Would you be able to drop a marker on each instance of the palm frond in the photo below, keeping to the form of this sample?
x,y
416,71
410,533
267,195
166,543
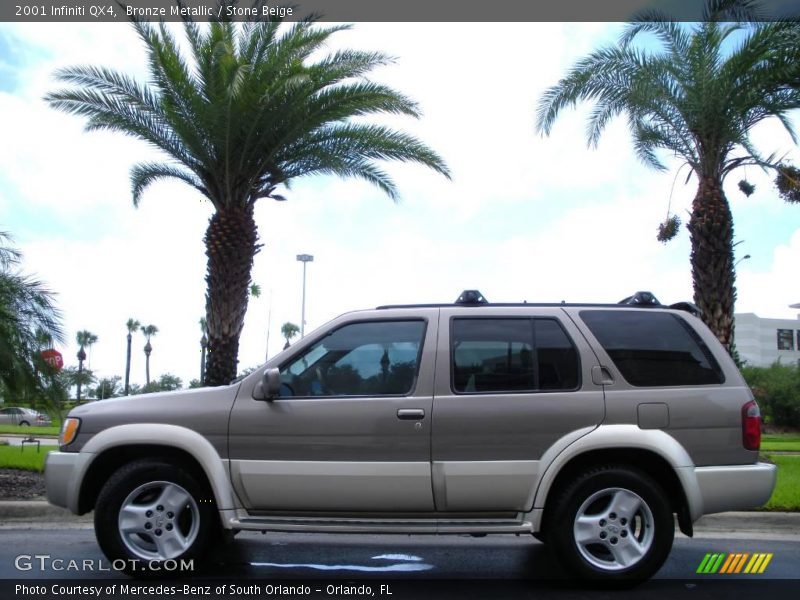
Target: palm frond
x,y
351,150
28,318
245,101
670,33
732,10
143,174
699,96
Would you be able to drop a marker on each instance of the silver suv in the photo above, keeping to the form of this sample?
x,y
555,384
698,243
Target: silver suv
x,y
588,426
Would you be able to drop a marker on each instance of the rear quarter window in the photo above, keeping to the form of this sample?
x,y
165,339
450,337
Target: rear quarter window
x,y
653,348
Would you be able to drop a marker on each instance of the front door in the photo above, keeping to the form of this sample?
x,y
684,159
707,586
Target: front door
x,y
351,428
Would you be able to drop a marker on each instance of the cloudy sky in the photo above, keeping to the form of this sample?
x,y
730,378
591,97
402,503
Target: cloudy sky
x,y
525,217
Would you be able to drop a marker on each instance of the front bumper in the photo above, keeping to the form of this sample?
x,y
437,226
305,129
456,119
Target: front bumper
x,y
736,487
63,473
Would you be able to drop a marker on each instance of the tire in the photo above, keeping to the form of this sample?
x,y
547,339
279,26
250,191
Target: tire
x,y
24,424
150,512
612,525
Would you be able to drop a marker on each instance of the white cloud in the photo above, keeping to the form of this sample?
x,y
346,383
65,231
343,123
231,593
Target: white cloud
x,y
525,218
770,292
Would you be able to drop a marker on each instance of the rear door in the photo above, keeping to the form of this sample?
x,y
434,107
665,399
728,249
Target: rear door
x,y
509,384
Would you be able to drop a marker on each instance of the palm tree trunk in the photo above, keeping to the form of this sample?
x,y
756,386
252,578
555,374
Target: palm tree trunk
x,y
230,247
80,377
128,367
147,350
81,357
711,231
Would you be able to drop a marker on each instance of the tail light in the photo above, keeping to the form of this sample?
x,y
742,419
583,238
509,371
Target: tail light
x,y
751,426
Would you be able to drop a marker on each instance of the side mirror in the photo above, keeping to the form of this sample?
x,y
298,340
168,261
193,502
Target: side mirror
x,y
270,385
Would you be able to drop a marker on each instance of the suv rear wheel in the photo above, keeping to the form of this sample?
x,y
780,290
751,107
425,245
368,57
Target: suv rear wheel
x,y
150,512
612,524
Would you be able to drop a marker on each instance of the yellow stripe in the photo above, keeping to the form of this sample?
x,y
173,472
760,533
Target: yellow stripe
x,y
765,563
752,566
731,558
755,563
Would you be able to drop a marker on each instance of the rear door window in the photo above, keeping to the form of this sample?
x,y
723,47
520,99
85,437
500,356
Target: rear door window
x,y
653,348
511,355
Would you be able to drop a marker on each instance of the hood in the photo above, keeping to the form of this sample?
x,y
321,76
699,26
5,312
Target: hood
x,y
200,409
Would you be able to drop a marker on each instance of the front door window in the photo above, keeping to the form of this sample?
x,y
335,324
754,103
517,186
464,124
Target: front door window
x,y
378,358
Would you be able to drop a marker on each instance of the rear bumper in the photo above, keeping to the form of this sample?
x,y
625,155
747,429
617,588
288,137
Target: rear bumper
x,y
63,472
735,487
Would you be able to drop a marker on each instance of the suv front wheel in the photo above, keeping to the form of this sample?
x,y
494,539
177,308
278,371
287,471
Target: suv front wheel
x,y
150,512
612,524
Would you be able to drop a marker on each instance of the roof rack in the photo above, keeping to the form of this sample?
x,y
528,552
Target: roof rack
x,y
471,298
475,298
647,299
641,299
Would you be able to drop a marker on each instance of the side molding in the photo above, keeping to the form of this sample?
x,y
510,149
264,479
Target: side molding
x,y
624,436
168,435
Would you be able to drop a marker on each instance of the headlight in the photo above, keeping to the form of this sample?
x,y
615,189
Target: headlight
x,y
69,429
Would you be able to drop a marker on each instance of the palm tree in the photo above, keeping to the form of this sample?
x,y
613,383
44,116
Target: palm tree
x,y
247,109
148,331
44,339
289,330
83,338
133,326
76,377
28,320
697,98
107,387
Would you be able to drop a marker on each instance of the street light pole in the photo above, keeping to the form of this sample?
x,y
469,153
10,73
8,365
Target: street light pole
x,y
305,259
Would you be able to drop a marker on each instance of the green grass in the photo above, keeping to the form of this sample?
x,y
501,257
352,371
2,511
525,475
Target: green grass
x,y
780,442
787,492
12,457
31,430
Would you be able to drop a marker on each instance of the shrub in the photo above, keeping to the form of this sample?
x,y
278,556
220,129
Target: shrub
x,y
777,390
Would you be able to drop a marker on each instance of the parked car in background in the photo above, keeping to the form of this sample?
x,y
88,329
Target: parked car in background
x,y
17,415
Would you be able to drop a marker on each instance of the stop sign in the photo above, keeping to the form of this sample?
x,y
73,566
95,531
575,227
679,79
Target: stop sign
x,y
53,358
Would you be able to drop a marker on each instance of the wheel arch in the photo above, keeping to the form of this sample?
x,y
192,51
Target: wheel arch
x,y
117,446
652,451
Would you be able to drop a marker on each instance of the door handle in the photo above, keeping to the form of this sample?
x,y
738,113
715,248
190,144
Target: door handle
x,y
601,375
410,414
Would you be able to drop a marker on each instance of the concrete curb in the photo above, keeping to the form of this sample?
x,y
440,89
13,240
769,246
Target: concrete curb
x,y
21,511
783,523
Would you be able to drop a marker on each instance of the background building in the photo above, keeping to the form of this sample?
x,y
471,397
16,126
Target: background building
x,y
761,342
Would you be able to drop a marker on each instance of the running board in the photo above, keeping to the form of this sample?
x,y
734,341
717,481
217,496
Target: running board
x,y
430,526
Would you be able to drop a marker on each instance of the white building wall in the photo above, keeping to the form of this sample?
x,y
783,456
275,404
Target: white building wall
x,y
756,340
